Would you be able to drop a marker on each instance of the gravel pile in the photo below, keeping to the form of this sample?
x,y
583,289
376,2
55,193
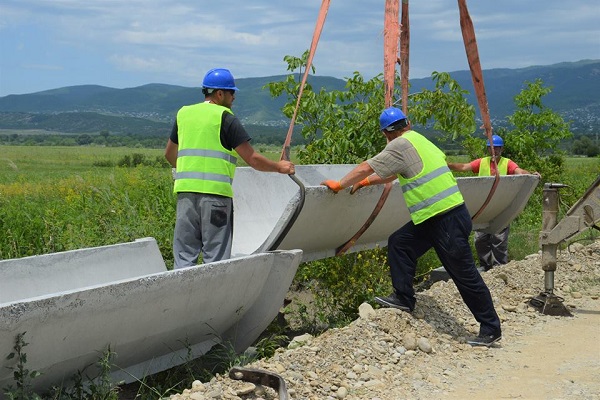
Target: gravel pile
x,y
387,354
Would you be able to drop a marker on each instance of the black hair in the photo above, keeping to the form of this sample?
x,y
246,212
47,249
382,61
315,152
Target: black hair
x,y
396,126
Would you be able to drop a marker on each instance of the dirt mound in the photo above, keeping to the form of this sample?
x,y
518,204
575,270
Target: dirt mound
x,y
387,354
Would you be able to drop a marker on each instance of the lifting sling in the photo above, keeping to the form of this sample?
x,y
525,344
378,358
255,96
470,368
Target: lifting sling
x,y
396,39
285,153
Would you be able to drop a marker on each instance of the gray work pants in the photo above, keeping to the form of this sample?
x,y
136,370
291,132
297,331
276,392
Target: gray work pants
x,y
204,225
492,249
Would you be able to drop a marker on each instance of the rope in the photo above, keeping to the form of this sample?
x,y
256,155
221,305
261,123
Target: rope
x,y
313,49
285,152
468,33
404,55
391,37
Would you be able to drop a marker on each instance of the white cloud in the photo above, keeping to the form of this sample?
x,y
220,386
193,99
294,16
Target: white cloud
x,y
176,41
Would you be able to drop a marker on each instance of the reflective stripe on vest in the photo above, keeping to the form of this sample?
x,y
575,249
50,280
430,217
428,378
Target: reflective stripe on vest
x,y
485,168
203,164
434,190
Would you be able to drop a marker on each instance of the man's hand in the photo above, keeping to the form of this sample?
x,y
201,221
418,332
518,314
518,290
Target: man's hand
x,y
285,167
336,186
358,185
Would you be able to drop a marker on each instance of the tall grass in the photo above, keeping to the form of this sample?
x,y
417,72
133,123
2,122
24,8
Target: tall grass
x,y
54,199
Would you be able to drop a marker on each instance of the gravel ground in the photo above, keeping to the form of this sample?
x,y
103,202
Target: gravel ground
x,y
387,354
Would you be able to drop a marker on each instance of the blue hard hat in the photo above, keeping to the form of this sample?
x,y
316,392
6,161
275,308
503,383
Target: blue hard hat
x,y
496,141
219,78
390,116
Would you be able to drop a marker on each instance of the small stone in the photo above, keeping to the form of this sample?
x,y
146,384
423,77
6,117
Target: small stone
x,y
247,389
300,341
366,311
341,393
410,341
424,345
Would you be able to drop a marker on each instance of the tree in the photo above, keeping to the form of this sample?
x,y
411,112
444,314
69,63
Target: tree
x,y
534,141
84,139
343,126
586,147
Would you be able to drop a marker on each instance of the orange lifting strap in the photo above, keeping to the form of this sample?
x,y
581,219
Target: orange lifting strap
x,y
313,48
394,37
285,152
391,39
468,33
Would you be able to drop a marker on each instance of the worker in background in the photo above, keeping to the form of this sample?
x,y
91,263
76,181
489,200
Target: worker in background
x,y
203,148
492,249
439,219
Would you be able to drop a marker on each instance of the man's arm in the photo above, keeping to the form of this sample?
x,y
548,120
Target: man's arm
x,y
260,162
171,153
460,167
521,171
359,173
375,179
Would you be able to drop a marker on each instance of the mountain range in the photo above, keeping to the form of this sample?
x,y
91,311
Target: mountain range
x,y
150,109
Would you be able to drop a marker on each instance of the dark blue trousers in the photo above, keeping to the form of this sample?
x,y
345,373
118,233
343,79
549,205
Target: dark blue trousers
x,y
448,234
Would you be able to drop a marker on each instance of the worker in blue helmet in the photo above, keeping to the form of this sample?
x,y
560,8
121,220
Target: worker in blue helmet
x,y
491,248
203,148
439,220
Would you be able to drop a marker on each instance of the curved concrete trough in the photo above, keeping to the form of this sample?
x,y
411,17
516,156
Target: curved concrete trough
x,y
73,305
264,203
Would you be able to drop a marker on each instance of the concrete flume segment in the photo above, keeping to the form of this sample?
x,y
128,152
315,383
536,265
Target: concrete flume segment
x,y
150,320
74,304
265,202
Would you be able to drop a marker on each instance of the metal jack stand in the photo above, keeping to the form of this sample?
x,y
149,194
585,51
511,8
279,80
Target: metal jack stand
x,y
583,215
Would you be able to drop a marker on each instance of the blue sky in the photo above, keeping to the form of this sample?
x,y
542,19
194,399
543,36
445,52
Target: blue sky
x,y
47,44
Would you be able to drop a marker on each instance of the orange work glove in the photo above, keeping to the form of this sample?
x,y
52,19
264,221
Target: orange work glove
x,y
336,186
358,185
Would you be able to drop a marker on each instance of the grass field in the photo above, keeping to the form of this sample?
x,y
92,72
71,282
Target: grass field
x,y
61,198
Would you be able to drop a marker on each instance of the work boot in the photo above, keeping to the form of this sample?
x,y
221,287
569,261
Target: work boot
x,y
392,301
484,340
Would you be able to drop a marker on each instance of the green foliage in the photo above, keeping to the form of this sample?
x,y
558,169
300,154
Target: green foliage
x,y
139,159
98,387
535,138
341,284
585,146
342,126
45,138
21,375
446,106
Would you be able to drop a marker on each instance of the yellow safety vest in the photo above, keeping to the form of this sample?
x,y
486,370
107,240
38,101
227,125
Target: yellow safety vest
x,y
434,190
485,169
203,164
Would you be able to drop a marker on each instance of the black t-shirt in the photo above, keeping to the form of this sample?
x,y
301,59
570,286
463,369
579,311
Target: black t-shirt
x,y
232,132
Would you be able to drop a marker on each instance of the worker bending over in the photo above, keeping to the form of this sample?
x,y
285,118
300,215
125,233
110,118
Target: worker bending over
x,y
439,219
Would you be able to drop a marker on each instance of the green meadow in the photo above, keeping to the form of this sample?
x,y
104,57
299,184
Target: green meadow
x,y
63,198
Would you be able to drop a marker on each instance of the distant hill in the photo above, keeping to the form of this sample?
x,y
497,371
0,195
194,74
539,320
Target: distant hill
x,y
150,109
